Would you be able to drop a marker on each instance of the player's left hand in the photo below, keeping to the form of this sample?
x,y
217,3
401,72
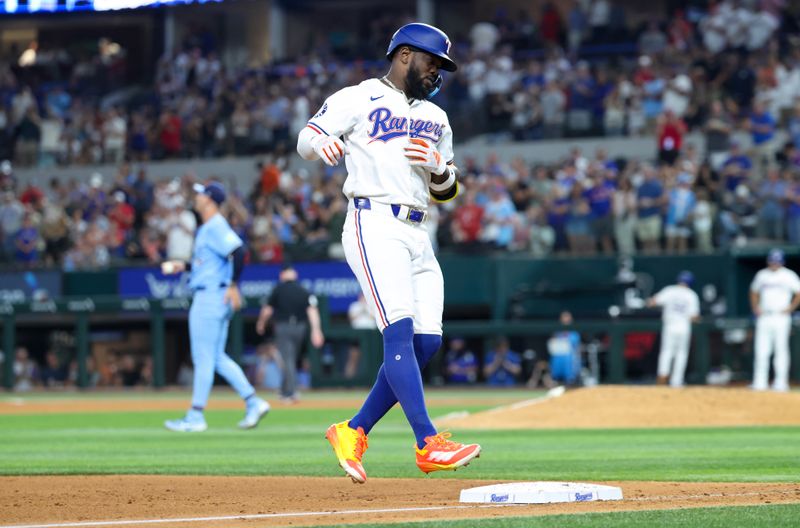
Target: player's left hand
x,y
317,339
233,297
420,153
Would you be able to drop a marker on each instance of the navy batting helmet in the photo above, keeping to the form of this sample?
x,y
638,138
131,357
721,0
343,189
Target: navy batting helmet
x,y
686,277
775,256
425,37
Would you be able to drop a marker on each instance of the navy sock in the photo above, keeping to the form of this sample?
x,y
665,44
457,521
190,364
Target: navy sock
x,y
382,397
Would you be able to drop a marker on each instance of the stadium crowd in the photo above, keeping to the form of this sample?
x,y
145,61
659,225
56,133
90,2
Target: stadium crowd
x,y
731,69
586,72
585,204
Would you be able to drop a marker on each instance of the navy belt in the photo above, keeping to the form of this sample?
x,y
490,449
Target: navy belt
x,y
402,212
201,288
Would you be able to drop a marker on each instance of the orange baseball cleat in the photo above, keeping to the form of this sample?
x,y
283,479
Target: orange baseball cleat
x,y
349,446
441,453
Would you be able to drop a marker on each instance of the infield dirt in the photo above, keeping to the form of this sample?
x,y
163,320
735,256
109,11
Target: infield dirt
x,y
29,500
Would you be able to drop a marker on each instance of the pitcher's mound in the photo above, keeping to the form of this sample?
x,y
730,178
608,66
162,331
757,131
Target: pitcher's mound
x,y
625,407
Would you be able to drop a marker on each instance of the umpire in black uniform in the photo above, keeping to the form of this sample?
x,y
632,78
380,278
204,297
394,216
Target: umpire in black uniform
x,y
293,309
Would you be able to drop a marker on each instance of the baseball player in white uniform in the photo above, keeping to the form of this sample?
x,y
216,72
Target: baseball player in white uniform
x,y
681,306
397,147
774,295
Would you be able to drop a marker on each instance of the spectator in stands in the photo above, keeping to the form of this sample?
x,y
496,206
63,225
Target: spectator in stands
x,y
498,216
625,210
467,221
542,237
577,27
25,371
762,127
613,114
92,374
677,94
772,194
55,231
240,130
554,104
484,36
564,350
793,127
600,197
502,366
718,128
736,168
460,363
121,217
53,374
115,131
738,219
599,19
680,208
649,200
28,134
670,131
652,41
703,222
27,241
793,209
578,226
170,127
180,228
11,214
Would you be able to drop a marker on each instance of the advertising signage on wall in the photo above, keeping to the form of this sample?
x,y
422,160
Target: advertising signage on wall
x,y
333,280
21,286
28,7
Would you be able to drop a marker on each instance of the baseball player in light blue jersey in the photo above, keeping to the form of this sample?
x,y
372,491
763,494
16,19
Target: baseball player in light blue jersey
x,y
216,267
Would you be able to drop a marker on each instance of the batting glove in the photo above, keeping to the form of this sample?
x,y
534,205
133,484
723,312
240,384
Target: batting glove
x,y
420,153
329,149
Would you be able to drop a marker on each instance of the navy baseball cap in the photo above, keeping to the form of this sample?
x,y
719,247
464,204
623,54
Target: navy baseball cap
x,y
775,256
213,190
686,277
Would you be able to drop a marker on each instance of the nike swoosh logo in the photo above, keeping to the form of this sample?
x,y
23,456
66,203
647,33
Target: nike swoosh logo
x,y
375,98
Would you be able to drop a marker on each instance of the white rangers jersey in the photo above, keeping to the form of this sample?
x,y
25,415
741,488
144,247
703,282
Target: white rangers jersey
x,y
775,289
376,121
681,305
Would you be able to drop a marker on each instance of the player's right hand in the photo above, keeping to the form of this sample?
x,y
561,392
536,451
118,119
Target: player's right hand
x,y
330,149
170,267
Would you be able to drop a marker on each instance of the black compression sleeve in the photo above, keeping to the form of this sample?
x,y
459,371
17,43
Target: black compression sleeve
x,y
238,263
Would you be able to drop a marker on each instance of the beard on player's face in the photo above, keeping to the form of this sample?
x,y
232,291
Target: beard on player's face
x,y
415,82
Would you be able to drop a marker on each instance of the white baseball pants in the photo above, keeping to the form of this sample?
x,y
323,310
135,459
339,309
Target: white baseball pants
x,y
674,354
395,265
772,335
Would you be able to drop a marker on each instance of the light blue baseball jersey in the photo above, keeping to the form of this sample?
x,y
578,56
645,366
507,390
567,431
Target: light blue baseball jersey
x,y
213,243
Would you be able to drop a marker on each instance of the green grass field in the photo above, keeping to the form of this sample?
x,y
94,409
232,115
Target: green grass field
x,y
290,442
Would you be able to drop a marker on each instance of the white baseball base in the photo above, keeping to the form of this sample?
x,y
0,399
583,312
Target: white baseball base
x,y
541,493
